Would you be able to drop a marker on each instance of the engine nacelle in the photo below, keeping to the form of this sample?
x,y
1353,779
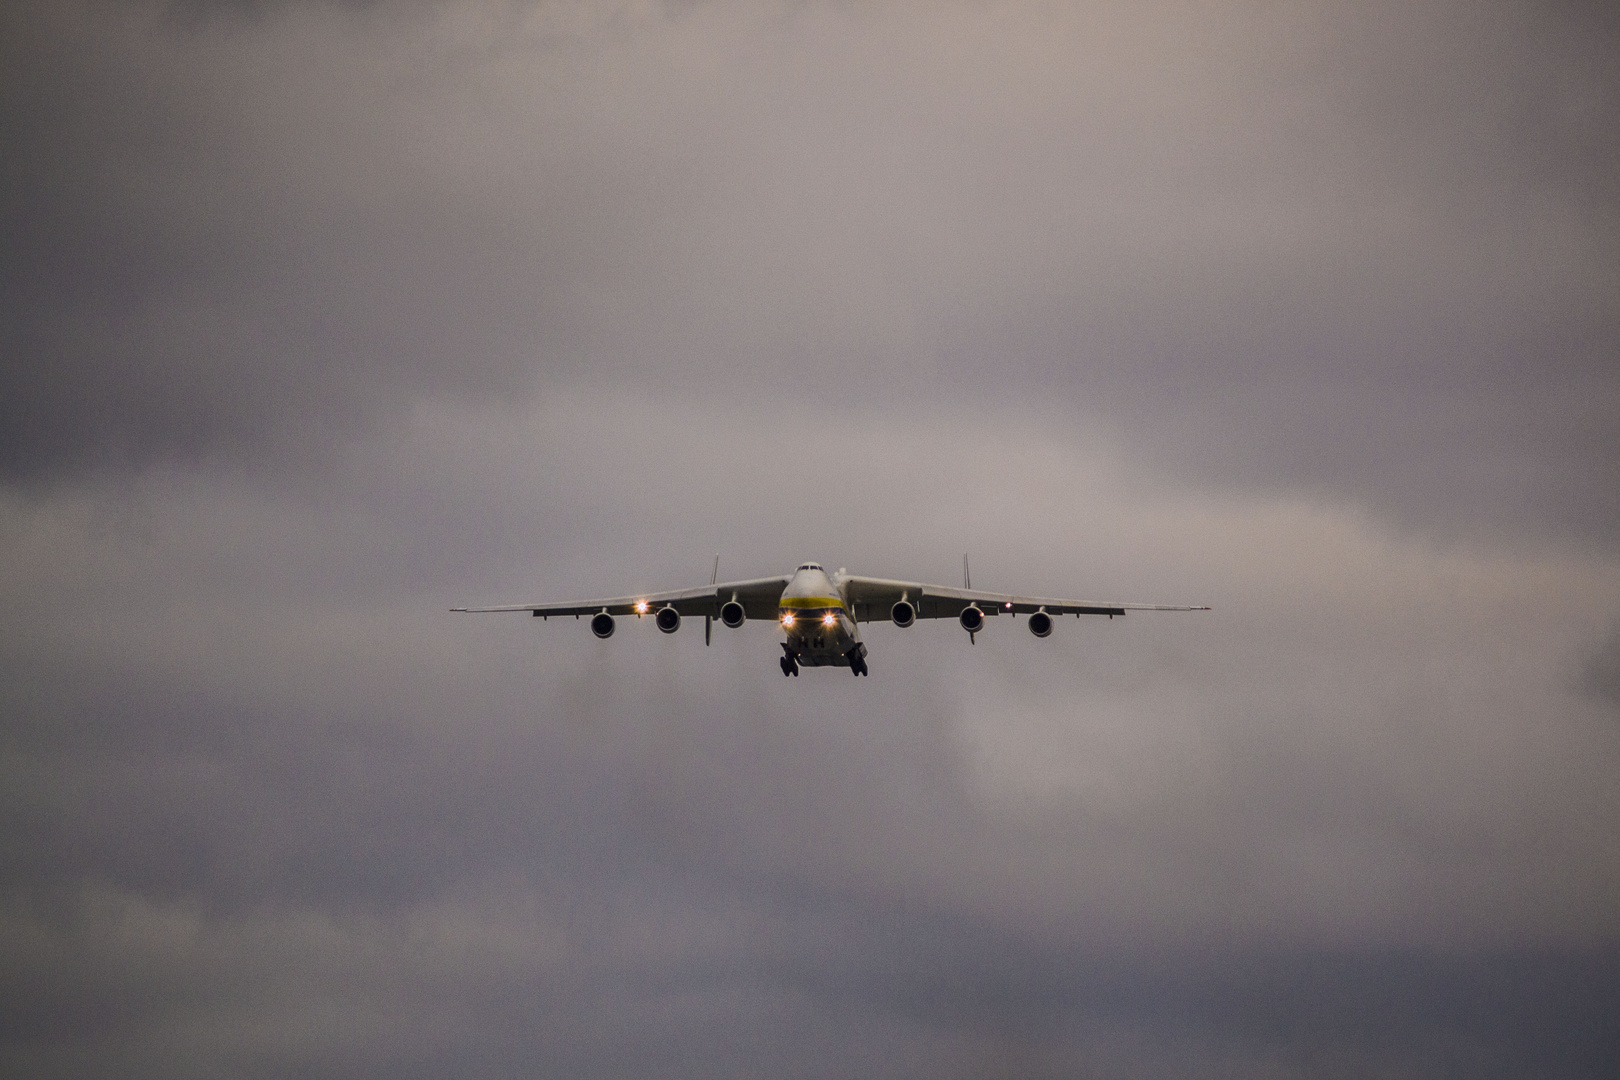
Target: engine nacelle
x,y
668,619
972,619
732,614
904,613
602,624
1040,624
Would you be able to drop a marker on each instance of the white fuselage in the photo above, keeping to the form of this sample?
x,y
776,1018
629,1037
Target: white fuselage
x,y
820,632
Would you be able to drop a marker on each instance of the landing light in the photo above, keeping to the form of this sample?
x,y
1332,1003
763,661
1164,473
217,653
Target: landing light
x,y
641,607
787,620
828,619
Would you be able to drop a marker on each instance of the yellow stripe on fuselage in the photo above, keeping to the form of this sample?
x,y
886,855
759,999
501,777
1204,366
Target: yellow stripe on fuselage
x,y
810,603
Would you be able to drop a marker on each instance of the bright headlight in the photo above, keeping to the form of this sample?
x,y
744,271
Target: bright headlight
x,y
787,619
828,619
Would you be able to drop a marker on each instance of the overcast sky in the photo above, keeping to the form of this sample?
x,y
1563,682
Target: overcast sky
x,y
317,319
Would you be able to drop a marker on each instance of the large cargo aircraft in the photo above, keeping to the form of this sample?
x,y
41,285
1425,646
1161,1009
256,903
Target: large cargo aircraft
x,y
820,613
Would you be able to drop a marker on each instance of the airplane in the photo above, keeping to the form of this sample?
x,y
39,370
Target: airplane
x,y
820,613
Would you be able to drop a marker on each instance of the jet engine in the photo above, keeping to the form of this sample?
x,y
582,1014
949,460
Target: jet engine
x,y
732,614
972,619
904,613
602,624
668,619
1040,624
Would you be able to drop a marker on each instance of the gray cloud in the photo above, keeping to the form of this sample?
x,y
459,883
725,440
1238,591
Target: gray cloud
x,y
1369,252
1601,674
319,319
271,778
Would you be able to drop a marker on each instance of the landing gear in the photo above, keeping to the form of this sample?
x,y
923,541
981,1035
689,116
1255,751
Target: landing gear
x,y
790,663
857,660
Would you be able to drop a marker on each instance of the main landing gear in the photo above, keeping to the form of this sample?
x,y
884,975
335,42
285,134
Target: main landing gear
x,y
857,660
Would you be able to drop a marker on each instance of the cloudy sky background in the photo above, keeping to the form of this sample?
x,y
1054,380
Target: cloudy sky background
x,y
319,318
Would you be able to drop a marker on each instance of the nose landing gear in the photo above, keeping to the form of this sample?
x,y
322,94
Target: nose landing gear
x,y
857,660
790,662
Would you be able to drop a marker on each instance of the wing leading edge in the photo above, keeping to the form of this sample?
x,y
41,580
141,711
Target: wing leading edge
x,y
758,597
870,600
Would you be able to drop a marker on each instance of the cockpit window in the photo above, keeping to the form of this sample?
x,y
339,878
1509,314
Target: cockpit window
x,y
809,566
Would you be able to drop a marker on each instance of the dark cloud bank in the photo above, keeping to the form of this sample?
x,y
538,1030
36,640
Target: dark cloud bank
x,y
316,319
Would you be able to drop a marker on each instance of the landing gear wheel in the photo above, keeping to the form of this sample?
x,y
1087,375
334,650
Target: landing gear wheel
x,y
787,666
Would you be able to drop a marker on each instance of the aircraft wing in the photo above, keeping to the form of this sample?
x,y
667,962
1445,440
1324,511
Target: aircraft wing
x,y
758,597
871,598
